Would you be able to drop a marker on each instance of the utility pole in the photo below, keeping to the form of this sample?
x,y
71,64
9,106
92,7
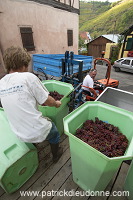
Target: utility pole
x,y
114,30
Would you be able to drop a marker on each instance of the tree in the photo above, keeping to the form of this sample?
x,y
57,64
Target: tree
x,y
81,43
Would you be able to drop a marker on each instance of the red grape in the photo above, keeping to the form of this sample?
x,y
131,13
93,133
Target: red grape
x,y
104,137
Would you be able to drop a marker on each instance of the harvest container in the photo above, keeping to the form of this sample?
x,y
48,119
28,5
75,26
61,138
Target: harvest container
x,y
124,100
128,185
18,160
117,97
91,169
57,114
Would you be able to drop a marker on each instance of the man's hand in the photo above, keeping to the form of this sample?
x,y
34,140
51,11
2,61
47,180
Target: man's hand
x,y
97,85
52,103
58,104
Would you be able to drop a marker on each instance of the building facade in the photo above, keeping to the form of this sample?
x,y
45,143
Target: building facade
x,y
41,26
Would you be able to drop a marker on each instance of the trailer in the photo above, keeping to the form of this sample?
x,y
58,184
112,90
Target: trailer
x,y
66,67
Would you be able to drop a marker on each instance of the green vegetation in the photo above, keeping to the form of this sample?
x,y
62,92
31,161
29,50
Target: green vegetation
x,y
116,49
81,42
100,18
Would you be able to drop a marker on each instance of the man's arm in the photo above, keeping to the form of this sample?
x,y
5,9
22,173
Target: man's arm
x,y
93,92
52,103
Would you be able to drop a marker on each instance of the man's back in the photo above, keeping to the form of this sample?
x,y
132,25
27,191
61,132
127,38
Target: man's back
x,y
20,95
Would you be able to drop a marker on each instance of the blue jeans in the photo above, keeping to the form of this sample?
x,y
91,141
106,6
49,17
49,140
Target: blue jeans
x,y
53,136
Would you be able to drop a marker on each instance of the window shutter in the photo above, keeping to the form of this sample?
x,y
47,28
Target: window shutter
x,y
27,38
70,37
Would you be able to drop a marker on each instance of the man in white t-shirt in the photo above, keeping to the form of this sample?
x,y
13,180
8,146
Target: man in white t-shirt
x,y
20,94
89,82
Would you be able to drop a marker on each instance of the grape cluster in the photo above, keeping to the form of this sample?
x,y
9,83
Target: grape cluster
x,y
56,95
104,137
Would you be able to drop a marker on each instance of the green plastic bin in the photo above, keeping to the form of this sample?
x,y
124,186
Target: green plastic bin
x,y
128,185
57,114
91,169
18,160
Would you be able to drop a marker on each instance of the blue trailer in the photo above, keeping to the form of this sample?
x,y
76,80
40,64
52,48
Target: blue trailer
x,y
63,66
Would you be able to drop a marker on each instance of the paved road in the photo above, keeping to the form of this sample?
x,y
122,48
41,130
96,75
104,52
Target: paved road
x,y
125,78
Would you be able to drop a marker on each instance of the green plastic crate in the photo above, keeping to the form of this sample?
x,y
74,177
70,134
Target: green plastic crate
x,y
57,114
128,185
91,169
18,160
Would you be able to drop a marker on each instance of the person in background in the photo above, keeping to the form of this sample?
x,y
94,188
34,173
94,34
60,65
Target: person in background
x,y
102,54
20,93
89,82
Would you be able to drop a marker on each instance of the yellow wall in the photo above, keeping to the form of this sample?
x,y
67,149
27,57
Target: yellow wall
x,y
108,48
125,52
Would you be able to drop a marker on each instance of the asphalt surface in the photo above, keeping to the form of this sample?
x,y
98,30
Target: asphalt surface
x,y
125,78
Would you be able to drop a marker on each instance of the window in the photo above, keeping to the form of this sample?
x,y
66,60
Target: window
x,y
126,62
27,38
70,37
129,46
120,60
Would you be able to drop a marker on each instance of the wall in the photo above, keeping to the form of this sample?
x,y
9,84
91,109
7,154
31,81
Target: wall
x,y
108,49
49,26
125,52
75,3
2,70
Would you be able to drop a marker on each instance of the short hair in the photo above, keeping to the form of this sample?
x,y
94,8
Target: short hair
x,y
92,70
15,58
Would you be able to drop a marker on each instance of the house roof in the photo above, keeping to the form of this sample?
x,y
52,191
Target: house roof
x,y
85,35
111,37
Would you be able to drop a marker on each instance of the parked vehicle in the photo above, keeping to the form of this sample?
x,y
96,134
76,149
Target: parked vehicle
x,y
130,54
124,64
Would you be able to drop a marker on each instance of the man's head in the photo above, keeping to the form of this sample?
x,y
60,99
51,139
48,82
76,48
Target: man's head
x,y
16,58
93,73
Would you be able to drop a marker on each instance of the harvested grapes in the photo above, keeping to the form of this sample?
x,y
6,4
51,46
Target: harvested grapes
x,y
56,95
104,137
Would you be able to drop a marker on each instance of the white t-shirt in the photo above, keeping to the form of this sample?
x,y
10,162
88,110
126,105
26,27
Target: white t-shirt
x,y
88,81
20,94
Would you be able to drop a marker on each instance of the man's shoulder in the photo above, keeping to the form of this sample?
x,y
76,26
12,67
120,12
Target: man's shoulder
x,y
29,75
87,76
